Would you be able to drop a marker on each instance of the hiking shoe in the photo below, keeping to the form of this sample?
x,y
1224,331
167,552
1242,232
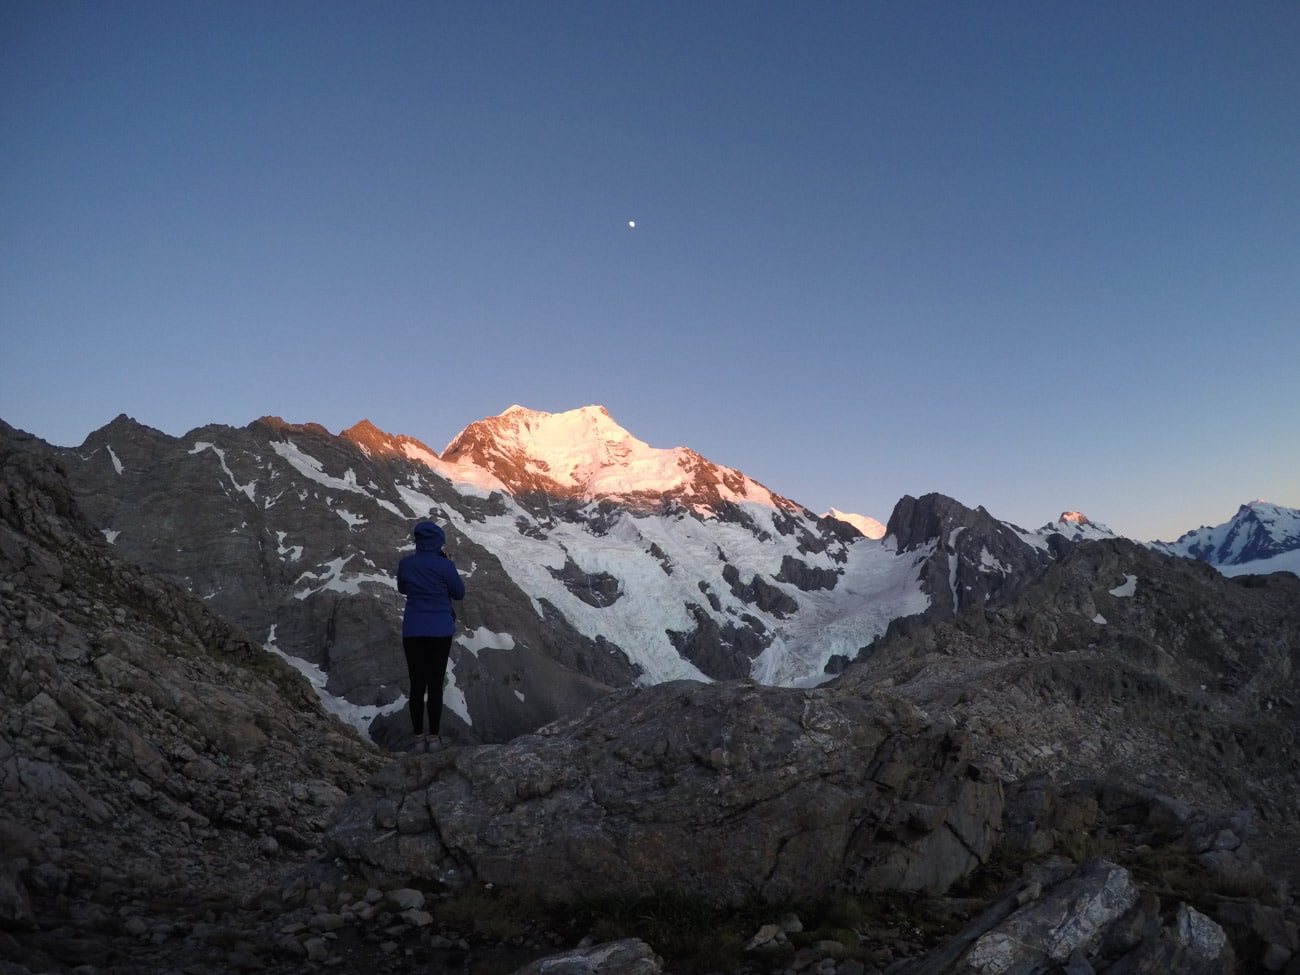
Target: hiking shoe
x,y
421,744
432,743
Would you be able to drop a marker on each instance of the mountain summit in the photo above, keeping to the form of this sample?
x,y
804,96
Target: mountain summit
x,y
585,455
1077,527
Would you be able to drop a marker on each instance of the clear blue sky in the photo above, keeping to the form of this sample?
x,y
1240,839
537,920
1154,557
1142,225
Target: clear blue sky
x,y
1034,255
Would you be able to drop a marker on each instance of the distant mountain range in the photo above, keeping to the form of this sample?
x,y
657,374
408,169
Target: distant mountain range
x,y
593,560
1260,538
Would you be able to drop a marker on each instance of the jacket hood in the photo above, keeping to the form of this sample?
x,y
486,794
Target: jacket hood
x,y
429,537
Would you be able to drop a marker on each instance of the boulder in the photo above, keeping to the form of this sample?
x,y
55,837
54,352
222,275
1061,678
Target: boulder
x,y
629,956
1079,920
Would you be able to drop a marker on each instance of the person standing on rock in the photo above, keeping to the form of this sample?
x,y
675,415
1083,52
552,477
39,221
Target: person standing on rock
x,y
429,581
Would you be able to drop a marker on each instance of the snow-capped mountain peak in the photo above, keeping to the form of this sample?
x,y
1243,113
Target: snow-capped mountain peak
x,y
1077,527
584,454
1267,536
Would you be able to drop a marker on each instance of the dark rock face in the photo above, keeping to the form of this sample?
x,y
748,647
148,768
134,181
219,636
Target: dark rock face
x,y
976,560
806,577
598,589
720,652
759,592
724,792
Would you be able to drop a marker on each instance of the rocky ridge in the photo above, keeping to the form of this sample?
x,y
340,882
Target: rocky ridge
x,y
976,558
1124,663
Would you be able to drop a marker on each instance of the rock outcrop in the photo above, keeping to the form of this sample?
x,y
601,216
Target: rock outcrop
x,y
725,793
1090,918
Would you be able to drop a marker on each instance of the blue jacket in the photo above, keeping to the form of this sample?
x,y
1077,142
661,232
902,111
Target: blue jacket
x,y
429,581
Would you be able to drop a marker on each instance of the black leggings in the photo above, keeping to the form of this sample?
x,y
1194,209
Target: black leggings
x,y
426,663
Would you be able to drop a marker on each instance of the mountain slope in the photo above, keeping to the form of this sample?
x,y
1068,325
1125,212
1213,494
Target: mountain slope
x,y
693,571
156,764
1260,537
593,560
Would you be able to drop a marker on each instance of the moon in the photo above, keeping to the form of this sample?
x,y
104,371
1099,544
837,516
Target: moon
x,y
632,224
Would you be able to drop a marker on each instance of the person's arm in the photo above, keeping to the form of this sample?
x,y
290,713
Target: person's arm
x,y
455,584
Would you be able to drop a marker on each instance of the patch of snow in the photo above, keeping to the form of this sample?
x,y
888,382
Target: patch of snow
x,y
484,639
354,521
110,535
953,564
310,467
1282,562
356,715
989,563
332,579
117,464
290,553
417,502
1033,539
248,490
868,526
453,699
415,451
1128,588
1099,619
